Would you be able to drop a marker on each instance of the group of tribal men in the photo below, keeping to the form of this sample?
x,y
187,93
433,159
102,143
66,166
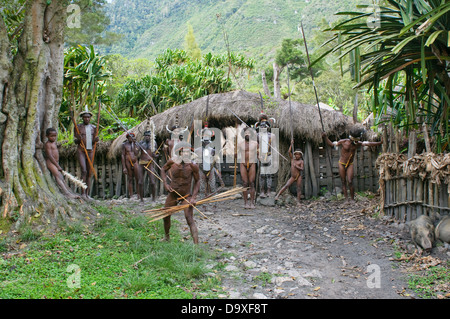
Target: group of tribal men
x,y
183,177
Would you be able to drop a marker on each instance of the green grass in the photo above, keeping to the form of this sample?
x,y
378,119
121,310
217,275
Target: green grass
x,y
434,283
115,258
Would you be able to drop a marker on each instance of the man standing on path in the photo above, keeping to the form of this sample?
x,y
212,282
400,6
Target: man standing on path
x,y
348,151
131,167
183,171
85,141
247,157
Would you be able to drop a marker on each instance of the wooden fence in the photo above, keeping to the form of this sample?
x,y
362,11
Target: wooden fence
x,y
317,175
408,198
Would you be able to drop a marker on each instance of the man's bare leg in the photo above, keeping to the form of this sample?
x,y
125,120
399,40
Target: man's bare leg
x,y
350,174
189,215
171,200
139,182
245,184
252,179
342,174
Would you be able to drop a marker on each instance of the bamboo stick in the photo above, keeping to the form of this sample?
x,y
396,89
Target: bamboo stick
x,y
159,213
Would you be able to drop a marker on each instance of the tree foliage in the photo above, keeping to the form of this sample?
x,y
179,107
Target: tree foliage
x,y
85,77
176,79
404,59
92,24
191,45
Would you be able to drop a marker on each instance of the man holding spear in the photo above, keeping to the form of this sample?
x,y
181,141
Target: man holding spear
x,y
85,137
131,167
183,171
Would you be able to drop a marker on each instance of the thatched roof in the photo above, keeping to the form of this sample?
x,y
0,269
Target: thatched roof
x,y
305,119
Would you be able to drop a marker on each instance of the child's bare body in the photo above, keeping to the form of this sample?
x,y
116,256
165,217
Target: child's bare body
x,y
52,161
297,167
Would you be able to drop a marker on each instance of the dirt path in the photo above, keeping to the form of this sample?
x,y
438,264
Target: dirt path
x,y
323,249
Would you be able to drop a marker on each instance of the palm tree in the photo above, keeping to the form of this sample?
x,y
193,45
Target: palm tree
x,y
403,58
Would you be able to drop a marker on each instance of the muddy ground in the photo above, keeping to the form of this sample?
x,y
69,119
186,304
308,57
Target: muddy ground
x,y
324,249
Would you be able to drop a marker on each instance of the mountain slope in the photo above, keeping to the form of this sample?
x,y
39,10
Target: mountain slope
x,y
254,27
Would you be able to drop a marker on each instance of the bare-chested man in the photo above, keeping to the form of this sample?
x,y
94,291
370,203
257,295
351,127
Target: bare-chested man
x,y
248,152
131,167
183,172
349,146
52,160
85,140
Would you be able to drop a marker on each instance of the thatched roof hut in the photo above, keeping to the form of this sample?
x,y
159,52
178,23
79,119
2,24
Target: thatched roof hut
x,y
305,120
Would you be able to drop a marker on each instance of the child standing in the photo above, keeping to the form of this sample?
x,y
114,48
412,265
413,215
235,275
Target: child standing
x,y
297,167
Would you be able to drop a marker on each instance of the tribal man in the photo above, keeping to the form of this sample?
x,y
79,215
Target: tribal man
x,y
183,172
349,146
248,153
85,141
131,167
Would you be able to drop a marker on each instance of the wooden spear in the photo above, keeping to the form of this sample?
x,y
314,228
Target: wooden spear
x,y
318,106
84,147
98,125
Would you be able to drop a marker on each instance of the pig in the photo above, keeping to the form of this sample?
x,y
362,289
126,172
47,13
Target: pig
x,y
422,232
442,231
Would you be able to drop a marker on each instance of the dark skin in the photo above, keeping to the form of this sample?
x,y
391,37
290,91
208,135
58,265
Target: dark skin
x,y
182,174
297,167
81,154
249,149
52,161
346,161
131,167
149,157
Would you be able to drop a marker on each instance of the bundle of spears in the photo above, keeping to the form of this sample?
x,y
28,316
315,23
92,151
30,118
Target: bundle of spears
x,y
159,213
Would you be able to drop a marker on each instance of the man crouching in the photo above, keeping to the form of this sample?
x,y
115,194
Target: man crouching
x,y
182,171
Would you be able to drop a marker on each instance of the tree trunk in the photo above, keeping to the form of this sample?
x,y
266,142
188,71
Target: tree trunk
x,y
355,109
265,86
276,81
412,143
31,98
